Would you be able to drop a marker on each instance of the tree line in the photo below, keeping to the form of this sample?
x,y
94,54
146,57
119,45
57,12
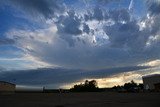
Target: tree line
x,y
129,87
92,86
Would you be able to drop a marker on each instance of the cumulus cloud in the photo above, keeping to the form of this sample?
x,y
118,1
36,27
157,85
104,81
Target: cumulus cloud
x,y
68,26
94,39
98,14
98,32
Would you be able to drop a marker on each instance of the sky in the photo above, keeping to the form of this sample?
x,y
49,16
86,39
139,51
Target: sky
x,y
58,43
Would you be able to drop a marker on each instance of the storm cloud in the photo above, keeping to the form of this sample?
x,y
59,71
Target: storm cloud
x,y
106,39
60,76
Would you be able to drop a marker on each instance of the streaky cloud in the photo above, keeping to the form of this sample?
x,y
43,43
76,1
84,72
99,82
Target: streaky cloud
x,y
60,76
6,41
153,7
37,8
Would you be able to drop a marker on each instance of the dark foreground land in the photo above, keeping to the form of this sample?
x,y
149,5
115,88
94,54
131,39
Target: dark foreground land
x,y
94,99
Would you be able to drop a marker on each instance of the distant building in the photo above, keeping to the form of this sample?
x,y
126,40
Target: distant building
x,y
151,82
7,87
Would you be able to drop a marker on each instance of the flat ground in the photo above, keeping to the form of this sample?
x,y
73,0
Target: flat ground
x,y
95,99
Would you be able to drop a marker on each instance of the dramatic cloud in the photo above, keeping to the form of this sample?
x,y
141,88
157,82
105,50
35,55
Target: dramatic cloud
x,y
94,39
59,77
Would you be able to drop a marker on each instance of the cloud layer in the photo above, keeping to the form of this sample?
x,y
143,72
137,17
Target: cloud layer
x,y
60,77
93,39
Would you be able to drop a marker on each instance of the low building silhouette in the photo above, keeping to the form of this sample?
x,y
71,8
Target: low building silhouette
x,y
151,82
7,87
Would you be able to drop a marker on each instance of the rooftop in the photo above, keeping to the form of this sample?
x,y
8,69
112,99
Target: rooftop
x,y
154,75
6,82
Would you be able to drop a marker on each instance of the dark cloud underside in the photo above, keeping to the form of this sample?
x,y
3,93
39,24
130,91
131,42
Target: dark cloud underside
x,y
60,76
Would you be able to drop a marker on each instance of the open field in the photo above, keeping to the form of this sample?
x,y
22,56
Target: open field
x,y
94,99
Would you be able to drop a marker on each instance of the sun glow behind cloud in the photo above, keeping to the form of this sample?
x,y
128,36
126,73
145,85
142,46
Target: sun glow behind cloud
x,y
118,79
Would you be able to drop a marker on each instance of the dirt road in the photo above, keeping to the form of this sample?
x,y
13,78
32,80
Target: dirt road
x,y
101,99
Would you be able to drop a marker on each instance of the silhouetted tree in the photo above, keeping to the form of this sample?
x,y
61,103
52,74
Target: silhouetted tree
x,y
130,86
88,86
